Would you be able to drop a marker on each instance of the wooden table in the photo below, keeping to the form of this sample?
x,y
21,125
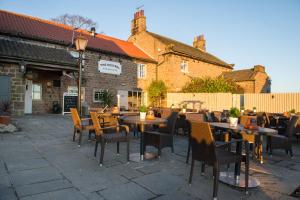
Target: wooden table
x,y
137,121
236,179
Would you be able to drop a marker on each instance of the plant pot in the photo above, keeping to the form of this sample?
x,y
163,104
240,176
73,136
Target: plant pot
x,y
5,120
233,121
254,110
184,110
143,115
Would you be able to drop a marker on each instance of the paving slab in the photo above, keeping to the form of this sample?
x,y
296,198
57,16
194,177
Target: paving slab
x,y
66,194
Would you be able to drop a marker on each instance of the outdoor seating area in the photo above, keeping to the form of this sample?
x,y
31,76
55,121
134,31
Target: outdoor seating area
x,y
42,161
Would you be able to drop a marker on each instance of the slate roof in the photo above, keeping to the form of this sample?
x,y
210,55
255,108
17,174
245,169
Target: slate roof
x,y
38,29
29,52
190,51
240,75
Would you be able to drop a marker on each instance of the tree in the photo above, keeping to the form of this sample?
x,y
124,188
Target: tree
x,y
75,21
157,91
211,85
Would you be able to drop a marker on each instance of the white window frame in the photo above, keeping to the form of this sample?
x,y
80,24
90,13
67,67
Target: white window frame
x,y
33,91
141,71
184,66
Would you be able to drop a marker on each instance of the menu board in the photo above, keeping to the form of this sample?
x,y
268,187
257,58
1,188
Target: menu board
x,y
69,101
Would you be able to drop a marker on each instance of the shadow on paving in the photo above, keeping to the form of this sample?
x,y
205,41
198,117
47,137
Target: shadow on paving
x,y
41,162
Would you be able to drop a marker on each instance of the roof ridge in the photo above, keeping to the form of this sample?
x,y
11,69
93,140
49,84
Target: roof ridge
x,y
68,27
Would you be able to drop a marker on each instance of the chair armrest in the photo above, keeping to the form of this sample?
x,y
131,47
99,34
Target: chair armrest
x,y
124,127
229,142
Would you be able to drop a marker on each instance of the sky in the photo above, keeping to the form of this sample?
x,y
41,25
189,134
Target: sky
x,y
245,33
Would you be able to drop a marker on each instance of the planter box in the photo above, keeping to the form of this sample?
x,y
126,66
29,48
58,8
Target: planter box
x,y
5,120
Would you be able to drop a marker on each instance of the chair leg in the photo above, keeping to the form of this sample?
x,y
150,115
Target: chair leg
x,y
291,152
188,152
246,174
118,148
202,168
74,134
216,173
128,150
96,147
102,152
80,137
90,132
191,172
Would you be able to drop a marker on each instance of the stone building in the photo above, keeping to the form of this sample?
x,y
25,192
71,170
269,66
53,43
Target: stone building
x,y
254,80
178,62
38,65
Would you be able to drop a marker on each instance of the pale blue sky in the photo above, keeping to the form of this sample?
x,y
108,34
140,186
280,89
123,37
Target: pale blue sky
x,y
245,33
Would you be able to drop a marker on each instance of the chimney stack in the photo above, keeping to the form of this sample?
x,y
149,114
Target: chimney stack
x,y
200,43
138,24
259,68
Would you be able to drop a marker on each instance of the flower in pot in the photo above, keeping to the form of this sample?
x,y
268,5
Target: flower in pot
x,y
234,115
292,112
184,106
143,112
254,109
5,112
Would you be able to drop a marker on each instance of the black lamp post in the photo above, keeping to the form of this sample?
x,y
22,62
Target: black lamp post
x,y
80,43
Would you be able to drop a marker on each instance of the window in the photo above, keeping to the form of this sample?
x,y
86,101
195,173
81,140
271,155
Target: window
x,y
36,91
97,95
141,71
184,66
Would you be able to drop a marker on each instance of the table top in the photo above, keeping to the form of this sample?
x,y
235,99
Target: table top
x,y
138,120
239,127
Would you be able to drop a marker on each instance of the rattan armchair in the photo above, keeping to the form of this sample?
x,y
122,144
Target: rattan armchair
x,y
120,134
283,141
79,127
205,150
162,137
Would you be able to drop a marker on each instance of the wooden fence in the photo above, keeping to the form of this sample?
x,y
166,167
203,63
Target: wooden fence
x,y
273,102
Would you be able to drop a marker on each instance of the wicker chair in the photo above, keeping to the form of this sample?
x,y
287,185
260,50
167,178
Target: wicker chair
x,y
283,141
116,137
205,150
216,116
79,127
163,137
195,117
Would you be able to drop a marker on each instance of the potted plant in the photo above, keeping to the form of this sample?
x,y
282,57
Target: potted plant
x,y
143,112
292,112
234,115
184,108
254,109
5,112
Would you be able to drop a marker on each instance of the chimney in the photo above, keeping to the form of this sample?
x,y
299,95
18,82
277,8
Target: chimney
x,y
259,68
138,24
199,43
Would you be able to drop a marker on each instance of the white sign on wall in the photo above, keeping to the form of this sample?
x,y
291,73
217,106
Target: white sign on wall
x,y
109,67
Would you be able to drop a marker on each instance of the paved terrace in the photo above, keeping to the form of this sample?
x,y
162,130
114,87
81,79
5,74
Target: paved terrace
x,y
41,162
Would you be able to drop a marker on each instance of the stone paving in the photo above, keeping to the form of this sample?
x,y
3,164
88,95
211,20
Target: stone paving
x,y
41,162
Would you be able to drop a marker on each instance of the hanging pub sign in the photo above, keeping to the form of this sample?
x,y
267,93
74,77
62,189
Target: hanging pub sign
x,y
109,67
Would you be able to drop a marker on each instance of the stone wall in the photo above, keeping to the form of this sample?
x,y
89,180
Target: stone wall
x,y
17,87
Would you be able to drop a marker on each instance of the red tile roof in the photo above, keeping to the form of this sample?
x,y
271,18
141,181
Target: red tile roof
x,y
39,29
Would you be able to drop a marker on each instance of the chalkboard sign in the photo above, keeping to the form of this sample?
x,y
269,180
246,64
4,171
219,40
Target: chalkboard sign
x,y
69,101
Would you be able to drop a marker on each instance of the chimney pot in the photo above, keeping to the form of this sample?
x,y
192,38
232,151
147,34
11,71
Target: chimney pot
x,y
200,42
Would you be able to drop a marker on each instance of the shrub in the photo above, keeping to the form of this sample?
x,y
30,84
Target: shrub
x,y
143,109
211,85
157,91
106,98
5,108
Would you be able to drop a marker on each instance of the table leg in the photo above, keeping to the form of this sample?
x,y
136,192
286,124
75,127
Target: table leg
x,y
260,149
142,141
237,167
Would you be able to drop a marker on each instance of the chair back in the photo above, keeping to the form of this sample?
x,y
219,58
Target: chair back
x,y
108,119
247,120
165,112
75,118
96,123
216,116
203,143
197,117
291,126
171,122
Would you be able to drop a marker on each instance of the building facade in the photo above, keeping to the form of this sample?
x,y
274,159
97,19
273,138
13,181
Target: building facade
x,y
178,62
39,66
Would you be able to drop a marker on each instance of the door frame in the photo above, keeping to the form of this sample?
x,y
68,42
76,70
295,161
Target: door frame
x,y
28,97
